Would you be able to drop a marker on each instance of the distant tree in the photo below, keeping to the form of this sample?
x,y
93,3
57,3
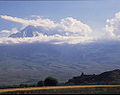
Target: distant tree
x,y
50,81
40,83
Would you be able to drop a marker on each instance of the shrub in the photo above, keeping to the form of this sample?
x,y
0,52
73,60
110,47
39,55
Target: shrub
x,y
40,83
50,81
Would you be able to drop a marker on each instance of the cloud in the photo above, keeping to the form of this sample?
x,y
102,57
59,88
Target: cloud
x,y
5,31
13,30
73,27
55,39
47,23
68,30
68,25
113,27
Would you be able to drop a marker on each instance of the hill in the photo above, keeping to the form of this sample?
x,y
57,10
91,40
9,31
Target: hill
x,y
109,77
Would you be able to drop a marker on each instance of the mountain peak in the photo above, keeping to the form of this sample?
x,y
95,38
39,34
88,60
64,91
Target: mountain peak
x,y
29,31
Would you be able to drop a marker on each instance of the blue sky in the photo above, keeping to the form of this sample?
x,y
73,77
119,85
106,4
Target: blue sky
x,y
92,12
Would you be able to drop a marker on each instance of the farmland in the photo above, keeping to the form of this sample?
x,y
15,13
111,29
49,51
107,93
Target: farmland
x,y
81,89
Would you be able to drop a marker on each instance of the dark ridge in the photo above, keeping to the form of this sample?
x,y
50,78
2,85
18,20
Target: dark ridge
x,y
109,77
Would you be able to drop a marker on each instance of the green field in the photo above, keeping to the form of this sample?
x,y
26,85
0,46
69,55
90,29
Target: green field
x,y
81,89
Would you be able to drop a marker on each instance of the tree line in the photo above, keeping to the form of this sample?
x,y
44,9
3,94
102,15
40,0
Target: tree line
x,y
49,81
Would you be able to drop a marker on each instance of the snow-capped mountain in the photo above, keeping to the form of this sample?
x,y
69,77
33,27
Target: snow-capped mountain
x,y
33,31
29,31
31,62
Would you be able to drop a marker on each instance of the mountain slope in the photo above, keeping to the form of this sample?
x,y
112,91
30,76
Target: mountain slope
x,y
109,77
28,63
29,31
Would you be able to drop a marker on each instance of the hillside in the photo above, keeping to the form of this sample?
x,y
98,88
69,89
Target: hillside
x,y
109,77
29,63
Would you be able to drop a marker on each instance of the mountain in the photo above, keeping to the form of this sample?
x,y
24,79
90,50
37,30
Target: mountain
x,y
31,62
29,31
109,77
32,31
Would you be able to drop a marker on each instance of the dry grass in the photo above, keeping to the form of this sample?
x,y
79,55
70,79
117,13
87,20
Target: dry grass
x,y
57,88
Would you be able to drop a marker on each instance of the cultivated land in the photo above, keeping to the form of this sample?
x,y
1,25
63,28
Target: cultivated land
x,y
81,89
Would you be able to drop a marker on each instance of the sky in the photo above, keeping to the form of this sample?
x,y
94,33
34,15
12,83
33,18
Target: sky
x,y
93,13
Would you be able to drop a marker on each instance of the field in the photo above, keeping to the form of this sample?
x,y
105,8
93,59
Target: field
x,y
81,89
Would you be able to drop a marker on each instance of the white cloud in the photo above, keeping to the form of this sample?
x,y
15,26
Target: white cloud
x,y
113,26
68,30
5,31
56,39
13,30
73,27
36,16
47,23
69,25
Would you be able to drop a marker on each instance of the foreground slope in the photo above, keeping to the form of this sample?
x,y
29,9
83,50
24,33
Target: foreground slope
x,y
109,77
